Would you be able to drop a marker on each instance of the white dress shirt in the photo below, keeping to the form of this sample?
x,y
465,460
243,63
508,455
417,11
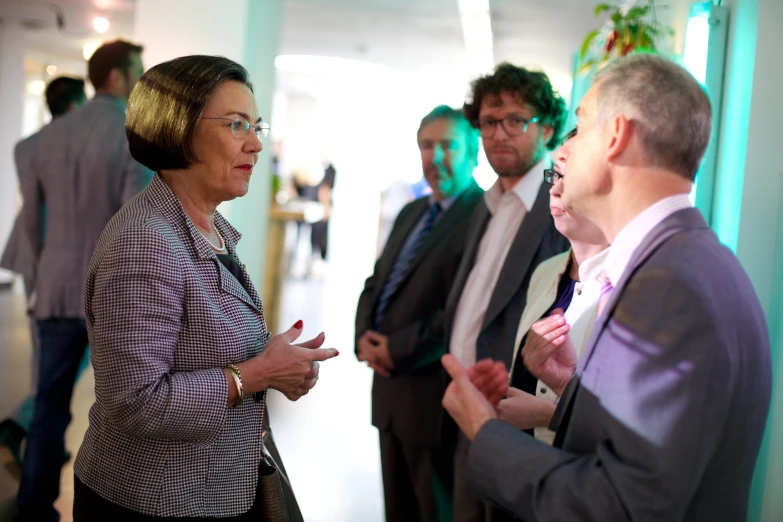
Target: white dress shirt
x,y
632,234
508,211
580,315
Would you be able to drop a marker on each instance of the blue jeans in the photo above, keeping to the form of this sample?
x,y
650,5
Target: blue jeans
x,y
63,342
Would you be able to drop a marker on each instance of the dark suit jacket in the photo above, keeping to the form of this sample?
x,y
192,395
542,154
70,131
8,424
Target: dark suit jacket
x,y
537,240
670,403
409,403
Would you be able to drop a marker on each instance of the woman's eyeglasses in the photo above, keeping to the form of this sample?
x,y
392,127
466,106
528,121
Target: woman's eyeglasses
x,y
240,127
552,176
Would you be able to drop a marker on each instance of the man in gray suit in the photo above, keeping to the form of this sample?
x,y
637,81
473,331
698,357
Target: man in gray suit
x,y
399,322
83,173
519,116
663,417
63,95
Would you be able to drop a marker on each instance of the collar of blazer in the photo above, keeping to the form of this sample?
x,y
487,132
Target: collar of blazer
x,y
688,219
520,255
164,200
680,221
541,295
461,209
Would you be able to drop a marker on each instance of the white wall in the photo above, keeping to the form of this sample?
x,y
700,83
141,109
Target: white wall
x,y
12,48
246,31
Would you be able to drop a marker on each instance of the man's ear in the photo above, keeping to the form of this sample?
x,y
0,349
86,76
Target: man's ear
x,y
620,132
116,77
547,132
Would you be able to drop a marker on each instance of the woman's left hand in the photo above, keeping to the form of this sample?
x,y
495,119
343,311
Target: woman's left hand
x,y
289,368
525,411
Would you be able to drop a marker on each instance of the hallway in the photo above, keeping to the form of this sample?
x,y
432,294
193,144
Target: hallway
x,y
329,447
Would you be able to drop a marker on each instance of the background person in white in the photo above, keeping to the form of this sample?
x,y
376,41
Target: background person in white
x,y
566,286
519,116
665,417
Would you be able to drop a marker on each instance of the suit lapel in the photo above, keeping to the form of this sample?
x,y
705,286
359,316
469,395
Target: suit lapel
x,y
230,285
397,239
663,231
520,255
479,220
539,306
677,222
453,215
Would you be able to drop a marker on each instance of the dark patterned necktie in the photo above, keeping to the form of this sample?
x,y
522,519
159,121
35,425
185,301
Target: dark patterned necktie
x,y
404,259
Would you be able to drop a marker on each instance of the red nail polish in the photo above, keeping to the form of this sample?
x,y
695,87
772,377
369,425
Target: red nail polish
x,y
298,324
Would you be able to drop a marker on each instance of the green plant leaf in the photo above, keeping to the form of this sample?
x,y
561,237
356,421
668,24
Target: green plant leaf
x,y
601,8
646,41
636,13
585,68
617,18
586,44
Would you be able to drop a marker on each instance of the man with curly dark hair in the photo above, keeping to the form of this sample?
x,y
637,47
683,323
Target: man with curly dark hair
x,y
519,116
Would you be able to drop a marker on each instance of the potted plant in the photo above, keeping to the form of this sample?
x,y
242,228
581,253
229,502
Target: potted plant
x,y
628,28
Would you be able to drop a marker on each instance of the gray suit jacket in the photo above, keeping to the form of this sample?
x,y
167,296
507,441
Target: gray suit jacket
x,y
665,420
408,404
83,172
537,240
164,317
18,253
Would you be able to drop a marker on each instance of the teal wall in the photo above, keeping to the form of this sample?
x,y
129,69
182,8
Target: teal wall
x,y
748,202
749,195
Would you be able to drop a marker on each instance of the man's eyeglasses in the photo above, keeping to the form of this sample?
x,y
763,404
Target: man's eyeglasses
x,y
240,126
552,176
513,125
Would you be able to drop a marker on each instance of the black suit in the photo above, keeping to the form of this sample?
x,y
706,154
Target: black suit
x,y
406,408
536,240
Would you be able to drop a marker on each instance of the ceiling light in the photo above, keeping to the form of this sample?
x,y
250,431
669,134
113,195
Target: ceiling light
x,y
51,70
477,30
100,24
89,48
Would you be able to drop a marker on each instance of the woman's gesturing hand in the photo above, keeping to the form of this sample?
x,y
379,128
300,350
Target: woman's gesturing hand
x,y
289,368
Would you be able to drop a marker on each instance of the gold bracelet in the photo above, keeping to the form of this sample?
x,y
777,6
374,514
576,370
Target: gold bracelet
x,y
237,375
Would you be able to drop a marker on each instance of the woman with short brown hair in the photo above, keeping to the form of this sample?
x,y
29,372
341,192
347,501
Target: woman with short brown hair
x,y
179,341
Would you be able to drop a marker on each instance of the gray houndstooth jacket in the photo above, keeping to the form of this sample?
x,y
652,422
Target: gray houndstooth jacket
x,y
164,317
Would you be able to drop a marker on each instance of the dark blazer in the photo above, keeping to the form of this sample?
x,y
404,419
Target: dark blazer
x,y
409,403
164,318
537,240
665,419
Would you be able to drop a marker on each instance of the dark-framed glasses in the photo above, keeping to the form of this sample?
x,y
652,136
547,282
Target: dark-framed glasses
x,y
513,125
552,176
240,127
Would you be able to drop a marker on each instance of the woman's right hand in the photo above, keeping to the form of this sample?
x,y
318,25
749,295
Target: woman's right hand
x,y
289,368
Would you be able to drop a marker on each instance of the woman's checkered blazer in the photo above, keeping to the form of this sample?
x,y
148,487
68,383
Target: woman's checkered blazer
x,y
164,317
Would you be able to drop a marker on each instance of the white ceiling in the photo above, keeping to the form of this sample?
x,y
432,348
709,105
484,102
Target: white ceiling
x,y
412,36
40,20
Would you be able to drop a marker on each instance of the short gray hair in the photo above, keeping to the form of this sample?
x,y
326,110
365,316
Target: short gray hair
x,y
671,111
444,112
